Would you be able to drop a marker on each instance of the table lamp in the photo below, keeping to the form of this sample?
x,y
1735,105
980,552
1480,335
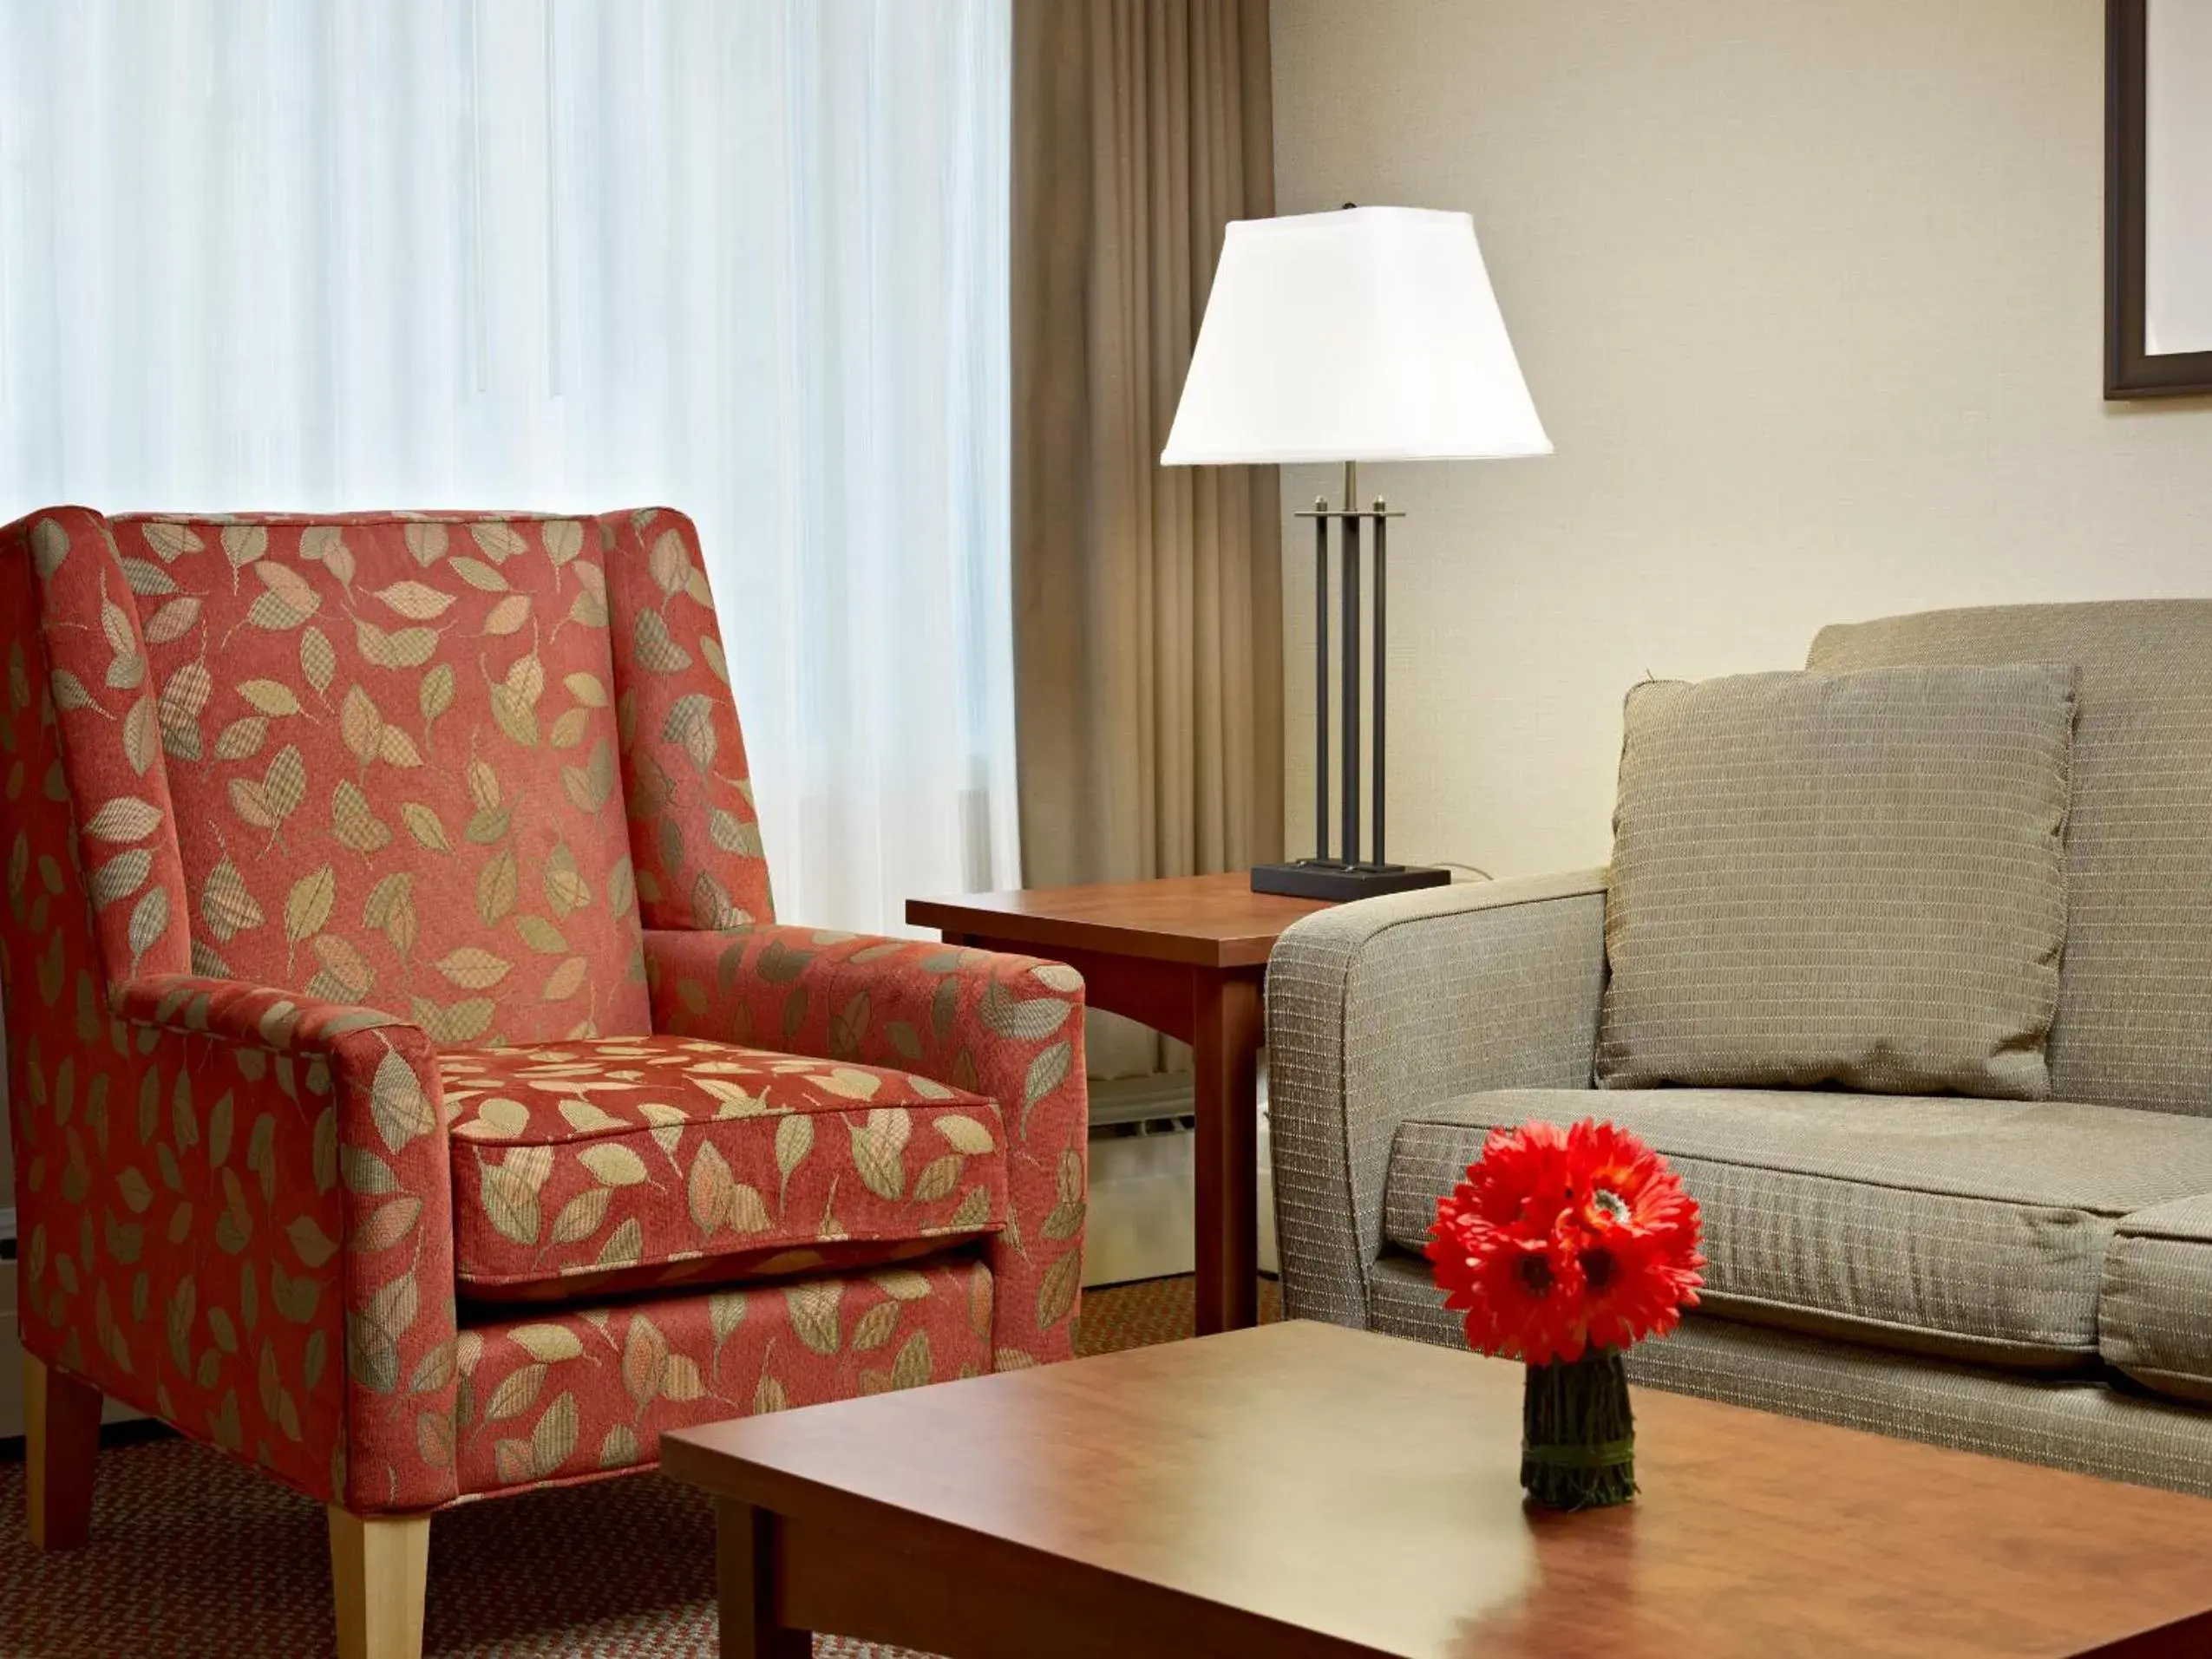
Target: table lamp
x,y
1368,334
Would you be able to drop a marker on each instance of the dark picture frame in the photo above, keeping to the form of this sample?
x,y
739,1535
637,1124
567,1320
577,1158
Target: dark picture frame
x,y
2129,371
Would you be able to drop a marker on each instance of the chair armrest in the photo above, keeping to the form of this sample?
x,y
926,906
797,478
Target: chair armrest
x,y
294,1222
1006,1026
1378,1008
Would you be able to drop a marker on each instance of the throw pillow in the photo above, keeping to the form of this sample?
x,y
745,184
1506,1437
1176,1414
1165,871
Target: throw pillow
x,y
1853,880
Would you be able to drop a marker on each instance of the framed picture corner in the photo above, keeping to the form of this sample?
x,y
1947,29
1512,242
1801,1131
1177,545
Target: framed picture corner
x,y
2158,198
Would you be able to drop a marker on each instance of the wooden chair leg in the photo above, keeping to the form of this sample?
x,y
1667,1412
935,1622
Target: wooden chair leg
x,y
379,1564
60,1442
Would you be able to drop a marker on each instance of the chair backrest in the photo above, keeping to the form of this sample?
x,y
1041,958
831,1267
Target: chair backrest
x,y
2134,1000
444,765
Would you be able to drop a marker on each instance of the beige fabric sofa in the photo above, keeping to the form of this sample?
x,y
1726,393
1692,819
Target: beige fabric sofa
x,y
2033,1279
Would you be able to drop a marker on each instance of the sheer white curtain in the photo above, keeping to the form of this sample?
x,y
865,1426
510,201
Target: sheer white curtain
x,y
741,256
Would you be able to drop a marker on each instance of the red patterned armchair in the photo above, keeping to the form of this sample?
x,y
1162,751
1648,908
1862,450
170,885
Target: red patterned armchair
x,y
412,1092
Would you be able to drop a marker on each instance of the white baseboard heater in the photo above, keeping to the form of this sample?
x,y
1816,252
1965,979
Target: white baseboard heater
x,y
1143,1181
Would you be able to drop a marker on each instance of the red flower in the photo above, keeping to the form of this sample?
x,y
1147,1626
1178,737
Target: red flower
x,y
1558,1241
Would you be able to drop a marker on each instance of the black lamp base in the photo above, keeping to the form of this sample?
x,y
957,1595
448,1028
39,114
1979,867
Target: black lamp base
x,y
1328,879
1351,876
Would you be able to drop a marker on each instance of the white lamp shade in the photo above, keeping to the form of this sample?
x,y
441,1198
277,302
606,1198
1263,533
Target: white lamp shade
x,y
1369,334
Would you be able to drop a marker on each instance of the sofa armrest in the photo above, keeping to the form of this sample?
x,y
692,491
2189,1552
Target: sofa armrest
x,y
1378,1008
1009,1027
294,1219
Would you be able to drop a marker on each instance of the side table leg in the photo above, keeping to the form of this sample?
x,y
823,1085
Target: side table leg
x,y
747,1549
1227,1025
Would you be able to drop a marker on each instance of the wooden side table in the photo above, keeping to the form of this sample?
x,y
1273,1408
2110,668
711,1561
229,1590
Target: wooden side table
x,y
1185,954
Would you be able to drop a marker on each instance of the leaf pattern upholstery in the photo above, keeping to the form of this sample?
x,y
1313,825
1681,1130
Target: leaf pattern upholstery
x,y
238,1224
1007,1028
243,999
693,832
93,669
391,744
547,1398
636,1161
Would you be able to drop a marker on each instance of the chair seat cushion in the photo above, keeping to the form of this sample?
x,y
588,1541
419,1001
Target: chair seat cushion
x,y
618,1163
2155,1311
1970,1228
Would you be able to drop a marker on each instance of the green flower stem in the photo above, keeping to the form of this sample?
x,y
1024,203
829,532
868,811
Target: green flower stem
x,y
1578,1435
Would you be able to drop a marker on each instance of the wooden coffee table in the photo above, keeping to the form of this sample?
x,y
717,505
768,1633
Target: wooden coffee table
x,y
1187,955
1302,1490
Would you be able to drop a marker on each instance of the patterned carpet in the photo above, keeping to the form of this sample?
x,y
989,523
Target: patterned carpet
x,y
196,1558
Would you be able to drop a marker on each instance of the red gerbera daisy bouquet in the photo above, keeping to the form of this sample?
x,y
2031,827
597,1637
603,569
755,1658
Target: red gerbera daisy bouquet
x,y
1561,1248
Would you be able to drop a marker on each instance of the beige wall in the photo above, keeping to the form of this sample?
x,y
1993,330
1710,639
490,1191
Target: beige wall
x,y
1809,295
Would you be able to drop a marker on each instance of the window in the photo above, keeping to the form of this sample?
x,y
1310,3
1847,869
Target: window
x,y
749,260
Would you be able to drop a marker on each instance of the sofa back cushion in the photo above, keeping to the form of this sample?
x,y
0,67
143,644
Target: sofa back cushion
x,y
392,753
1845,878
2134,1025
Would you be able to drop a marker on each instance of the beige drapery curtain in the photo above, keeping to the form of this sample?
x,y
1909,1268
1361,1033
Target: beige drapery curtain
x,y
1147,612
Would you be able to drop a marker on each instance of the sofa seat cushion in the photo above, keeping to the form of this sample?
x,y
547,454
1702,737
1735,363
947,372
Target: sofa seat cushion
x,y
2155,1314
616,1163
1971,1229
